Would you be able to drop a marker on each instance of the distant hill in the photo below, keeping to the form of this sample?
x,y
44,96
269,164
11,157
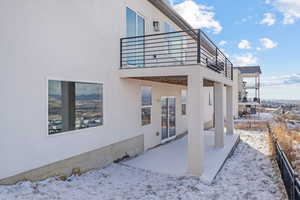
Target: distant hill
x,y
80,97
283,101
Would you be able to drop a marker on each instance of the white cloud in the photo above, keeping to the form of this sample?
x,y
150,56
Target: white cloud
x,y
281,80
289,8
267,43
244,59
222,43
198,15
244,44
268,1
224,52
269,19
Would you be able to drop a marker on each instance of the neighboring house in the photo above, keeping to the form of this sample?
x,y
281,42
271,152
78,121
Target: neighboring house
x,y
249,89
86,83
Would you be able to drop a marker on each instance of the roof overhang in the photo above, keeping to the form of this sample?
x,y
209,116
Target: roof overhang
x,y
172,14
249,70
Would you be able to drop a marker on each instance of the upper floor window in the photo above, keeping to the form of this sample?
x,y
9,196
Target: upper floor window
x,y
135,26
146,100
175,43
183,101
74,105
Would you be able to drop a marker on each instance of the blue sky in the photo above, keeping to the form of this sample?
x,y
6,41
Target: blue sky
x,y
255,32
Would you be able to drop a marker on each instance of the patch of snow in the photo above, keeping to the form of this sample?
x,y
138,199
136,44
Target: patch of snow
x,y
256,117
248,174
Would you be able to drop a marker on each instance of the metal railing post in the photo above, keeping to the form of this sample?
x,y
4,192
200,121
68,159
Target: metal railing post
x,y
121,53
199,47
231,71
216,55
226,68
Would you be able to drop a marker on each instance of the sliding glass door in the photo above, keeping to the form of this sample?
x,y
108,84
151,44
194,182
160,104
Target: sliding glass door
x,y
168,118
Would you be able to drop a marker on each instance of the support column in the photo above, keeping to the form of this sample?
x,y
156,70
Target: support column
x,y
229,110
219,114
195,107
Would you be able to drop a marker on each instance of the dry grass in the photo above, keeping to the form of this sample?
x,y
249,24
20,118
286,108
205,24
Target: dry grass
x,y
252,126
289,140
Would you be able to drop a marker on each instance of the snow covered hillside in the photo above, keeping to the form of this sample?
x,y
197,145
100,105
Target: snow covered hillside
x,y
248,174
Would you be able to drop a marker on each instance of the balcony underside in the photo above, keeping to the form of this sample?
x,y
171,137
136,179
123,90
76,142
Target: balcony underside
x,y
176,80
175,75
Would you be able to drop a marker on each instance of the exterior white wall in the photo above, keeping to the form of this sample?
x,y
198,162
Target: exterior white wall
x,y
208,108
78,41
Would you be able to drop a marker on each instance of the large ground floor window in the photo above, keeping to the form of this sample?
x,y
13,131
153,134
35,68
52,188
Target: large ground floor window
x,y
74,105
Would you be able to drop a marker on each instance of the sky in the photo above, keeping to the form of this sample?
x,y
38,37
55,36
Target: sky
x,y
255,32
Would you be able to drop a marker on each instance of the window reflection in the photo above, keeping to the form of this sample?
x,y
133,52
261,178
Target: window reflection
x,y
146,95
74,105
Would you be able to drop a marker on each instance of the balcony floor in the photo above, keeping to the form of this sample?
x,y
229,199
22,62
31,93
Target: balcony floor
x,y
172,158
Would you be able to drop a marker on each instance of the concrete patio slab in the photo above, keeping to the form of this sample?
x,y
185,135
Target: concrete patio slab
x,y
171,158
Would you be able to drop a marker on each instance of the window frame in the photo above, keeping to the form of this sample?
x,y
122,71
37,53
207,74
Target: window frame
x,y
145,106
75,131
183,102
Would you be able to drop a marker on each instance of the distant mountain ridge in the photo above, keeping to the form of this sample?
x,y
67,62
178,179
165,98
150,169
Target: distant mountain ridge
x,y
283,101
81,97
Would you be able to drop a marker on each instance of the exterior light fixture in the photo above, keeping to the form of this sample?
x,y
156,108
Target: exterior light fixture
x,y
156,26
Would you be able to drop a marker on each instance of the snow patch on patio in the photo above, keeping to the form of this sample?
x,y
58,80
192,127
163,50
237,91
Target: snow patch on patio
x,y
248,174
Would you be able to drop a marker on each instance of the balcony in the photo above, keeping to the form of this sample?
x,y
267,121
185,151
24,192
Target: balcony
x,y
181,48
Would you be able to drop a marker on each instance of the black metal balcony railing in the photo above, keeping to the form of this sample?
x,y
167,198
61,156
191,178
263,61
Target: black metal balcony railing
x,y
190,47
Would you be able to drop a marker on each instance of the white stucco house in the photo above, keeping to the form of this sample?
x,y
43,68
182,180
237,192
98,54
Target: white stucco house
x,y
86,83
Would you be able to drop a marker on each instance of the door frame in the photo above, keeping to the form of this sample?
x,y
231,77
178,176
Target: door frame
x,y
174,136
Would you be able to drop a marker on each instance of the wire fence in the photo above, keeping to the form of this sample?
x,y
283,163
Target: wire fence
x,y
289,176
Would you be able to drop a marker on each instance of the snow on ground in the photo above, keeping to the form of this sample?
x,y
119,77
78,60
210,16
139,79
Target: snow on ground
x,y
254,117
248,174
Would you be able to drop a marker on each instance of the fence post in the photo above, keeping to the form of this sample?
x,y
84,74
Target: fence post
x,y
199,47
294,185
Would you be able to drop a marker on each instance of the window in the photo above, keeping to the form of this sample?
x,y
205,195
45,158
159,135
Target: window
x,y
183,102
146,95
175,43
74,105
135,26
169,28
